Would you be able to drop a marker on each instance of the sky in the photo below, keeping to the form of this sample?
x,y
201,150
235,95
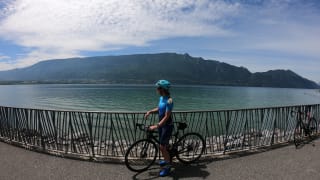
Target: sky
x,y
258,34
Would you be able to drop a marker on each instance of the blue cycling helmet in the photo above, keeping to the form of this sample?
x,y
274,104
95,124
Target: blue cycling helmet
x,y
164,84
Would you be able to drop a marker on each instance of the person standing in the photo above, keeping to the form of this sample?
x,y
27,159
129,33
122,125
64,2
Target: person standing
x,y
165,125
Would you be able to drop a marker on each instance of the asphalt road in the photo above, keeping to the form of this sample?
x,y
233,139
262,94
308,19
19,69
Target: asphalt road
x,y
286,163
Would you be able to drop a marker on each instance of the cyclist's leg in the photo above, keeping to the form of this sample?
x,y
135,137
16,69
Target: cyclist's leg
x,y
165,135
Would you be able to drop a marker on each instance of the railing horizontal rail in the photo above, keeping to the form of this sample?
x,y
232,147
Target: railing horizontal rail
x,y
95,134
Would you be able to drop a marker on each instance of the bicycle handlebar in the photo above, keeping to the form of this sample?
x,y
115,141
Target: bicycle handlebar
x,y
298,111
294,112
180,126
142,127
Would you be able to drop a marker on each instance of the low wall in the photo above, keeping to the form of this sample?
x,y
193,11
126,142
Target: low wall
x,y
107,135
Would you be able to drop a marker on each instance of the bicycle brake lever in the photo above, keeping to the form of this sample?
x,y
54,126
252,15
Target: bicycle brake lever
x,y
147,128
138,124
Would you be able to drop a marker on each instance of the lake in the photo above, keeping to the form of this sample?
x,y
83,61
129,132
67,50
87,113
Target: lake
x,y
93,97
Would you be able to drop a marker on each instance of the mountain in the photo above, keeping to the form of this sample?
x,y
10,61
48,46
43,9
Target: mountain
x,y
147,68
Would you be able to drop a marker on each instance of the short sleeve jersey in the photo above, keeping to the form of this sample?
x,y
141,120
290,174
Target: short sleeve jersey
x,y
165,105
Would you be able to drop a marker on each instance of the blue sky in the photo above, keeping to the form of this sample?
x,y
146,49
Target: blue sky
x,y
260,35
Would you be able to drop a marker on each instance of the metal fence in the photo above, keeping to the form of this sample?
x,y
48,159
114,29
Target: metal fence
x,y
104,135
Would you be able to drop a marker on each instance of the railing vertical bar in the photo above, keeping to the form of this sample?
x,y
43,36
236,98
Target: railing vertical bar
x,y
104,133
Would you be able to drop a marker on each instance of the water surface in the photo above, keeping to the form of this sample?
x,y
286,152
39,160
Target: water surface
x,y
143,97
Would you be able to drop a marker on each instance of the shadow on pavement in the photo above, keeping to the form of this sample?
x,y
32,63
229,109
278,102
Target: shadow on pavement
x,y
189,171
199,171
178,171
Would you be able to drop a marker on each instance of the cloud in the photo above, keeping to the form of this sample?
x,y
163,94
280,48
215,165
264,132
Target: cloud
x,y
3,58
297,39
63,28
6,62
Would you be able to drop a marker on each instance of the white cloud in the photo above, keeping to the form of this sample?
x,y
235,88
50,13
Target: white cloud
x,y
62,28
2,58
5,62
297,39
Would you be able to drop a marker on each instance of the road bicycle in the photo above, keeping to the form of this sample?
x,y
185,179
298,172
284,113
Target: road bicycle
x,y
306,127
143,153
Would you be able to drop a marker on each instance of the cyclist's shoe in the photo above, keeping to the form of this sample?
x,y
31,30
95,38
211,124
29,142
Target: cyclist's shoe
x,y
164,172
163,163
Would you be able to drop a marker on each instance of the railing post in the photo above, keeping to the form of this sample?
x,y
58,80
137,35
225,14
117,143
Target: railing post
x,y
91,136
274,126
112,137
245,131
227,124
41,131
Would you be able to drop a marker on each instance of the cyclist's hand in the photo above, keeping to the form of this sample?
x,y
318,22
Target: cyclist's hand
x,y
147,115
152,128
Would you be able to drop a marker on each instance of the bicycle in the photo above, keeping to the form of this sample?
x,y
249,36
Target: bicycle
x,y
304,129
143,153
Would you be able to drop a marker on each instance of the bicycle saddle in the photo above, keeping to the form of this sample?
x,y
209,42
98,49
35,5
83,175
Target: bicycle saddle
x,y
182,125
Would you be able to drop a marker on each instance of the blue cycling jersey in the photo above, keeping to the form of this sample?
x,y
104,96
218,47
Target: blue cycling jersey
x,y
165,105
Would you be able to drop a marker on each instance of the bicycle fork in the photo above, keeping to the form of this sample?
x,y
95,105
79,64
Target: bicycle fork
x,y
143,153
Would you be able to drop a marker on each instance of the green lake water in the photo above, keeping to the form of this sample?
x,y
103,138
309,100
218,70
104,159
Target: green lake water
x,y
143,97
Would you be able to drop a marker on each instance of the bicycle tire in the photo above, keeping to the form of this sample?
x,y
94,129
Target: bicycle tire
x,y
313,127
185,145
141,155
299,135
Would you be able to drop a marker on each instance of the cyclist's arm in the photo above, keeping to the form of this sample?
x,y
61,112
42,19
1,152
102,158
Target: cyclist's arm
x,y
164,119
153,110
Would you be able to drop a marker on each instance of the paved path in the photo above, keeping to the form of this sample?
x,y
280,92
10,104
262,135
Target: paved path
x,y
282,163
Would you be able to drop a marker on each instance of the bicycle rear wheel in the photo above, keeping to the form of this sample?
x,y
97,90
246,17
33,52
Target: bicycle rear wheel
x,y
313,127
141,155
299,134
190,148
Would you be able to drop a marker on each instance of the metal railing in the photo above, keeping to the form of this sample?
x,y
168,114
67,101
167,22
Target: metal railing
x,y
100,135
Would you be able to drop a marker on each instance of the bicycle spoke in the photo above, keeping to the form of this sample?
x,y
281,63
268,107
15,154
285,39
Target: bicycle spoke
x,y
313,127
299,134
141,155
190,147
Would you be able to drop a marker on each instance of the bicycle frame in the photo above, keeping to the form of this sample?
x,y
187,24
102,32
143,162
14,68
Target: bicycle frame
x,y
184,150
300,118
304,120
152,137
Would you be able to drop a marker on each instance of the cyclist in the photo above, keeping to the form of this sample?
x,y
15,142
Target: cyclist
x,y
165,125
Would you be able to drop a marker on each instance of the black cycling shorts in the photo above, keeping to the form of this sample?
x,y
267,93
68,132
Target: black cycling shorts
x,y
165,134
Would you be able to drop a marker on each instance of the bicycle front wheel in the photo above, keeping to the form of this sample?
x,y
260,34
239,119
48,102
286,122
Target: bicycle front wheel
x,y
299,134
141,155
313,127
190,148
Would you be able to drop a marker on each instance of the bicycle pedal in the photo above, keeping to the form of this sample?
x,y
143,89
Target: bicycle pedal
x,y
143,155
190,148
